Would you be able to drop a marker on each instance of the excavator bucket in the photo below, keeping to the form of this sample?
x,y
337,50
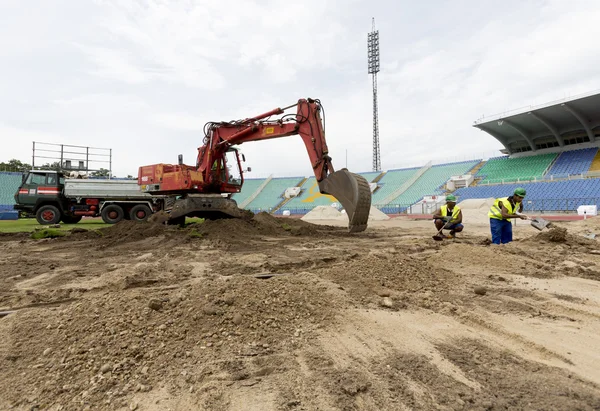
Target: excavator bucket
x,y
353,192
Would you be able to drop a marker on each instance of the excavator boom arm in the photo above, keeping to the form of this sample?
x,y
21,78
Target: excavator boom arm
x,y
307,123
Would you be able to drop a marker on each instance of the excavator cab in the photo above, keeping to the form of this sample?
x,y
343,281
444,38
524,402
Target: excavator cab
x,y
233,168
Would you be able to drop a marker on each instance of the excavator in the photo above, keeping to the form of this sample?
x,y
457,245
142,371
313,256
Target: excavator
x,y
205,190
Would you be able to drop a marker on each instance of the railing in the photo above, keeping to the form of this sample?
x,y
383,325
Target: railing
x,y
538,179
562,205
559,204
508,113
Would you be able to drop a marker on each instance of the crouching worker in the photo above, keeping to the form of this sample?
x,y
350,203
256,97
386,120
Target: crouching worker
x,y
450,216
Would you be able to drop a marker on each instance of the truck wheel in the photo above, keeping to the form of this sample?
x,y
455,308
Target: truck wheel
x,y
112,214
47,215
71,219
140,212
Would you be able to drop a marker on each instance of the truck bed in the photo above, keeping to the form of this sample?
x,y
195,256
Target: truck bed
x,y
113,189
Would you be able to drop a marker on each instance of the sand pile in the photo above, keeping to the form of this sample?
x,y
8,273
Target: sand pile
x,y
475,210
322,213
374,215
377,215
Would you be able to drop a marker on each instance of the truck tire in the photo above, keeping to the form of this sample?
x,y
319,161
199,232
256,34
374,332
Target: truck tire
x,y
71,219
140,213
47,215
112,214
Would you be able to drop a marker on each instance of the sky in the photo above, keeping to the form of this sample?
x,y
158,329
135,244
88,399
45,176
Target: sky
x,y
142,77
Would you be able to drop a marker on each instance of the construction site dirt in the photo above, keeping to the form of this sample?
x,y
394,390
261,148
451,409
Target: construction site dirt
x,y
284,314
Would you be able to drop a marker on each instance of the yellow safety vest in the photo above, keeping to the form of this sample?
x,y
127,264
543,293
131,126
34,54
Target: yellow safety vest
x,y
455,211
496,211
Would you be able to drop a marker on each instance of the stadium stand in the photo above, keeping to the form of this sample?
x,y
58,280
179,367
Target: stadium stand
x,y
370,176
272,194
573,162
542,196
430,183
9,183
595,166
248,188
392,181
504,169
309,198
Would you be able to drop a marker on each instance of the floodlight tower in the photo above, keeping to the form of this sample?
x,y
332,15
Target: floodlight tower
x,y
373,59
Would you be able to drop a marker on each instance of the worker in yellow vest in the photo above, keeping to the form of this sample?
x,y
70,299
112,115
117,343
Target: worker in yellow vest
x,y
450,216
502,211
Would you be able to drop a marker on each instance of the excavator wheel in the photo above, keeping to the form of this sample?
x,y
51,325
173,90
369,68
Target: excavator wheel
x,y
353,192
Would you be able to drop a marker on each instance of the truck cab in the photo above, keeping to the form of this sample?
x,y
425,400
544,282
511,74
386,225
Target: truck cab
x,y
41,193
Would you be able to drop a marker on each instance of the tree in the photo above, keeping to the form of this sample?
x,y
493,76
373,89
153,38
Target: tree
x,y
100,173
51,166
15,165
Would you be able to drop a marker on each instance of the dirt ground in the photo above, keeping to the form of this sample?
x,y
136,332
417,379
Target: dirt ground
x,y
281,314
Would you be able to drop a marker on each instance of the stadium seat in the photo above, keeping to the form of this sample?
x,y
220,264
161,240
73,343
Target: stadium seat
x,y
272,194
309,198
543,196
431,182
503,169
248,188
392,181
572,162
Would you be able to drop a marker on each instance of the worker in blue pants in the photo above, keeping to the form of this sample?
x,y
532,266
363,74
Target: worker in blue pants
x,y
502,211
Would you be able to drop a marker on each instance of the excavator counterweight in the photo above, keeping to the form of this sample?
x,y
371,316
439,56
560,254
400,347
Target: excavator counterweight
x,y
204,190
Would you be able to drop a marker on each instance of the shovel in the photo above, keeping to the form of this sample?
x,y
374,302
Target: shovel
x,y
438,237
540,223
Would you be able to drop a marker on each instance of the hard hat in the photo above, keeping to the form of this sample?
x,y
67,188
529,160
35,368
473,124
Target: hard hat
x,y
520,192
451,197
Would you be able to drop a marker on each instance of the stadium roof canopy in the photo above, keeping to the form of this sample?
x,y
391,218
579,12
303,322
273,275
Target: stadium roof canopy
x,y
555,124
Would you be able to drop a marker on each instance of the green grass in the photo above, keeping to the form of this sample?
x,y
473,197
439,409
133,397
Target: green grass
x,y
26,225
48,233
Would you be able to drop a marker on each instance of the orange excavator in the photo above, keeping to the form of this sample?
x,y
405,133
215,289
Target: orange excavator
x,y
205,190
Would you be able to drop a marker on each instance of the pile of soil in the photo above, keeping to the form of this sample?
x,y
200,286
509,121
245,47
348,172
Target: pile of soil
x,y
392,280
262,225
119,344
562,236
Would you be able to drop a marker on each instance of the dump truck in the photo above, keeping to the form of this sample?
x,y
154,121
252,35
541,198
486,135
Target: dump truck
x,y
54,197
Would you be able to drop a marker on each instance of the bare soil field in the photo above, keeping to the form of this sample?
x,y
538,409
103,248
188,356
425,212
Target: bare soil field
x,y
282,314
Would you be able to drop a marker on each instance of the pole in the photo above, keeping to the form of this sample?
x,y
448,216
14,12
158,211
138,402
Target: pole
x,y
346,158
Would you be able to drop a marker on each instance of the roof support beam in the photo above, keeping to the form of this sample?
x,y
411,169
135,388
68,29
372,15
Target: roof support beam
x,y
503,140
549,126
523,133
584,123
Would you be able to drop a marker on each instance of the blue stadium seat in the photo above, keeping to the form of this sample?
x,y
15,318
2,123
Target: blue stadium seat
x,y
543,196
572,162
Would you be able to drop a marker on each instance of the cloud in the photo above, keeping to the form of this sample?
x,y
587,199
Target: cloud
x,y
144,76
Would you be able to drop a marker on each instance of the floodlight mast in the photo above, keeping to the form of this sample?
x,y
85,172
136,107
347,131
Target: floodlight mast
x,y
373,69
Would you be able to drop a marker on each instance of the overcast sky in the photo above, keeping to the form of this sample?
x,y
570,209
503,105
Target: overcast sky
x,y
142,77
